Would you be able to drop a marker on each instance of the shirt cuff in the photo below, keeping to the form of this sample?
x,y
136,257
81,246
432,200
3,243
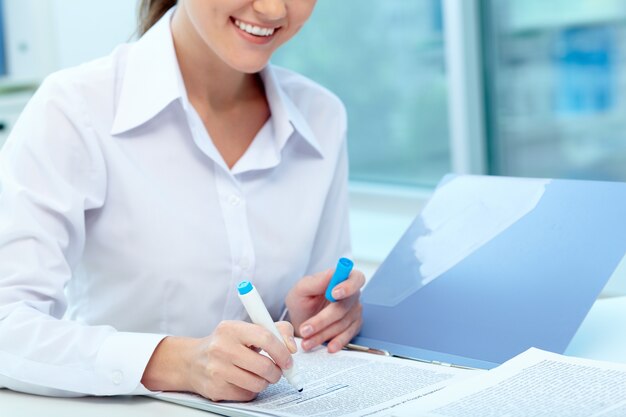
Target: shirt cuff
x,y
121,362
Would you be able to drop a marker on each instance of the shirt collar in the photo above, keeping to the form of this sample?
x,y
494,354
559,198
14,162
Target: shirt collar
x,y
152,80
285,115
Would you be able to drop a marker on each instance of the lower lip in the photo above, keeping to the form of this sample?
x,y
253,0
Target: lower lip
x,y
258,40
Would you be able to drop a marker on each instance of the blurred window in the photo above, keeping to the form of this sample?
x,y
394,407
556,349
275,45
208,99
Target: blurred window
x,y
385,60
556,87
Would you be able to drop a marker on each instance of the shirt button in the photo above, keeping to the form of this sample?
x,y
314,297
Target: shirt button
x,y
234,200
117,377
244,263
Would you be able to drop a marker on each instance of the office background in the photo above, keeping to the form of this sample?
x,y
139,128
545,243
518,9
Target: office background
x,y
506,87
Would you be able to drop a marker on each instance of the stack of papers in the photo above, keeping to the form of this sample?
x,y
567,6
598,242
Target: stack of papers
x,y
535,383
342,384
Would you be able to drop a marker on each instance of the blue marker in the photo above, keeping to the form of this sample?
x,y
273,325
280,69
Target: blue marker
x,y
344,266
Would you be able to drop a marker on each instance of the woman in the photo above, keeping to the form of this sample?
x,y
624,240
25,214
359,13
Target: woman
x,y
140,188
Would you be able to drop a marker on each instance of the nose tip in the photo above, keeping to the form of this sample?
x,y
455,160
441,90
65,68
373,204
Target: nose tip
x,y
271,9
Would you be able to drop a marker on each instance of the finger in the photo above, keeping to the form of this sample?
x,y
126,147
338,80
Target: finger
x,y
350,286
231,392
286,330
334,329
329,314
344,338
314,284
257,364
258,336
246,380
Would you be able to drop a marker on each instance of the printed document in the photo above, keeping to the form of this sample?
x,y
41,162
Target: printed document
x,y
534,383
342,384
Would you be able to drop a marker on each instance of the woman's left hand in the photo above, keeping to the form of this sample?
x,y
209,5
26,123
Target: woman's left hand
x,y
317,320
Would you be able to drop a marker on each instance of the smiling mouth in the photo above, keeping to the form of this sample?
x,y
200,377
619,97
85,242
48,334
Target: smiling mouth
x,y
253,30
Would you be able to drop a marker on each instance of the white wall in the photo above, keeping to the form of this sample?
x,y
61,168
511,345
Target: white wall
x,y
87,29
46,35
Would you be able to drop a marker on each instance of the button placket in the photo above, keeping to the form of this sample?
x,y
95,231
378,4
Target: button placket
x,y
117,377
233,205
234,200
244,263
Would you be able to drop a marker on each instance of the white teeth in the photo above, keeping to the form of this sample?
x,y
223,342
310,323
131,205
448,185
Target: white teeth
x,y
254,30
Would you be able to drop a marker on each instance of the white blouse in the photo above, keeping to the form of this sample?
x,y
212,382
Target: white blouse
x,y
120,222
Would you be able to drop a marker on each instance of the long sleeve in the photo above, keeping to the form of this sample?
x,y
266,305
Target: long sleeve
x,y
333,235
52,173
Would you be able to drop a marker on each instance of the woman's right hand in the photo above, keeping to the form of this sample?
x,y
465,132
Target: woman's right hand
x,y
226,365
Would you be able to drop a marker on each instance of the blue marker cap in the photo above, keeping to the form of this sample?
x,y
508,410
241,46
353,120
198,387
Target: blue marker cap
x,y
344,267
244,287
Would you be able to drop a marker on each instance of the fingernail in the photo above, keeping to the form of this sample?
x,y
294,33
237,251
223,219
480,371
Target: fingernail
x,y
292,342
289,363
306,330
332,348
338,292
306,345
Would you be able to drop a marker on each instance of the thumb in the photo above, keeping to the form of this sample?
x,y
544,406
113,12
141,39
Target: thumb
x,y
286,331
314,284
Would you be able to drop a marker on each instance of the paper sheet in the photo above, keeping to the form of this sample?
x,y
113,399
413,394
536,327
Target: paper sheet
x,y
342,384
534,383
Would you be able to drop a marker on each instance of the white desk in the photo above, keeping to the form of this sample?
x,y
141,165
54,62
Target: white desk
x,y
601,336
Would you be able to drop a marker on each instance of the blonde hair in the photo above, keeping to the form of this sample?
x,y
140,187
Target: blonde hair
x,y
150,11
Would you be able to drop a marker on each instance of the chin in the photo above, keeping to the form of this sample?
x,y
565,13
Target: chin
x,y
251,68
248,63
